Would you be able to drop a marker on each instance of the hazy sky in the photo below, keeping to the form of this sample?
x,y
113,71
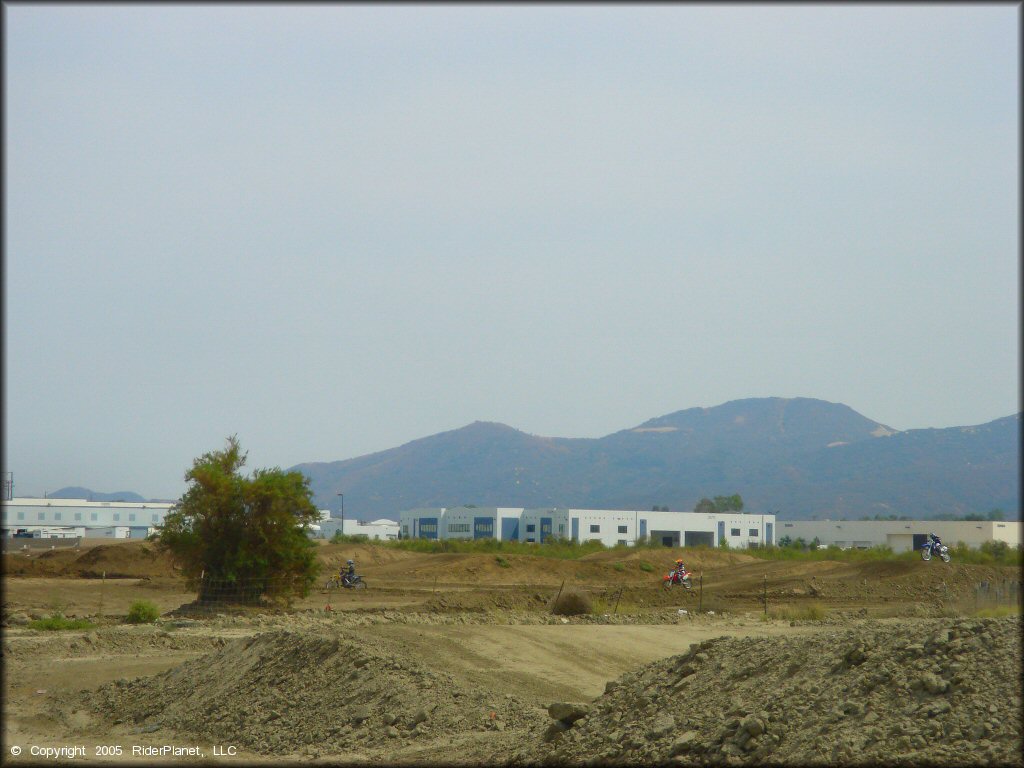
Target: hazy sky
x,y
333,229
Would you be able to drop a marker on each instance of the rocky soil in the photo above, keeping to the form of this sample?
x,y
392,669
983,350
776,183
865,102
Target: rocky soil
x,y
895,692
284,692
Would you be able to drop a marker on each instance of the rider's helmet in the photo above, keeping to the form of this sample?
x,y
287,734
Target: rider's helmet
x,y
679,561
350,562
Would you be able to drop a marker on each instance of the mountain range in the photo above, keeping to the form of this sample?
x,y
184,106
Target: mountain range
x,y
77,492
799,458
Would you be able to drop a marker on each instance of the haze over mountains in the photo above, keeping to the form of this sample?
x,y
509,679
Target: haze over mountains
x,y
798,458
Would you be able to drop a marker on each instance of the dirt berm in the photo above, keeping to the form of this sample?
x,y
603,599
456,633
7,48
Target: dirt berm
x,y
943,692
338,695
925,691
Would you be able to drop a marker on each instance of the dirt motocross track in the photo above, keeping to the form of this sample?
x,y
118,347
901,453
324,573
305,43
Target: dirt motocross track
x,y
450,659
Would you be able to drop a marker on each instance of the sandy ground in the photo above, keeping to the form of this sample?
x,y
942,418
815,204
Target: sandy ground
x,y
484,623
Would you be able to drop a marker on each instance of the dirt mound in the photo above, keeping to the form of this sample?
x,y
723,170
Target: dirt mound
x,y
120,560
334,555
695,559
929,691
107,640
283,692
127,560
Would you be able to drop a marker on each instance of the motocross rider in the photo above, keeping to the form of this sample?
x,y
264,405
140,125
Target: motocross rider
x,y
349,572
935,542
680,569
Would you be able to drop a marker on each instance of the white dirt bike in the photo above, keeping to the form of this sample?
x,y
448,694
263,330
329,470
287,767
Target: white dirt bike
x,y
929,549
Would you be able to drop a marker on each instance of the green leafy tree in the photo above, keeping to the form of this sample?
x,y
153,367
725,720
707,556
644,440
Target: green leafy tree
x,y
732,503
242,539
705,505
995,514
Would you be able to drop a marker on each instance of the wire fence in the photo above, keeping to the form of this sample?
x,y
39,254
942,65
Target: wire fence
x,y
216,594
995,594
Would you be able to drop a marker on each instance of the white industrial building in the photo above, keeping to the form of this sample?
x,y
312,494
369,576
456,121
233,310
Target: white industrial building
x,y
373,529
61,518
900,535
610,527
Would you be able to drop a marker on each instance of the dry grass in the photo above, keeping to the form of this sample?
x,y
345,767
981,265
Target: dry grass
x,y
810,612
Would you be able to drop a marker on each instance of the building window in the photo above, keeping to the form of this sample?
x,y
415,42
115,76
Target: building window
x,y
42,515
93,516
531,540
561,528
595,528
458,527
56,515
530,528
622,529
735,531
156,517
117,517
21,515
622,542
428,527
131,517
483,529
78,515
787,525
753,532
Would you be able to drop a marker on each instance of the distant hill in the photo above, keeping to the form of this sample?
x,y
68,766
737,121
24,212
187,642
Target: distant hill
x,y
799,458
75,492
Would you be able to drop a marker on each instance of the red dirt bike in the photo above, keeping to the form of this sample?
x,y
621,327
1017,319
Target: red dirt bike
x,y
675,577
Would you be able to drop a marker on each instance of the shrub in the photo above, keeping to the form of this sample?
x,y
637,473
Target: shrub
x,y
619,566
58,621
646,567
501,561
142,612
572,603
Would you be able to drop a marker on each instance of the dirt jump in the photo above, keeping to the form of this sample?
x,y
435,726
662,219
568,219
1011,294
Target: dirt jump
x,y
459,659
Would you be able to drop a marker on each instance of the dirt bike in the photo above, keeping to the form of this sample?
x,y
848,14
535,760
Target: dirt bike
x,y
348,582
929,549
674,577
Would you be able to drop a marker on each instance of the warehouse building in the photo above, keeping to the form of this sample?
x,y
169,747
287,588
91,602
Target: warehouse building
x,y
373,529
56,518
610,527
900,535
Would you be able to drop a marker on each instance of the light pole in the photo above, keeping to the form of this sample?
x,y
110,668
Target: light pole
x,y
342,495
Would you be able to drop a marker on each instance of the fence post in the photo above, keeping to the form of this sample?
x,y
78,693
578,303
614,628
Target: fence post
x,y
559,591
765,594
700,592
616,609
103,584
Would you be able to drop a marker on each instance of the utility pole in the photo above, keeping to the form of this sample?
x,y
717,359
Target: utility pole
x,y
342,495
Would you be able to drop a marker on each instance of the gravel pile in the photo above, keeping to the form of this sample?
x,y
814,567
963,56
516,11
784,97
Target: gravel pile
x,y
929,691
315,693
